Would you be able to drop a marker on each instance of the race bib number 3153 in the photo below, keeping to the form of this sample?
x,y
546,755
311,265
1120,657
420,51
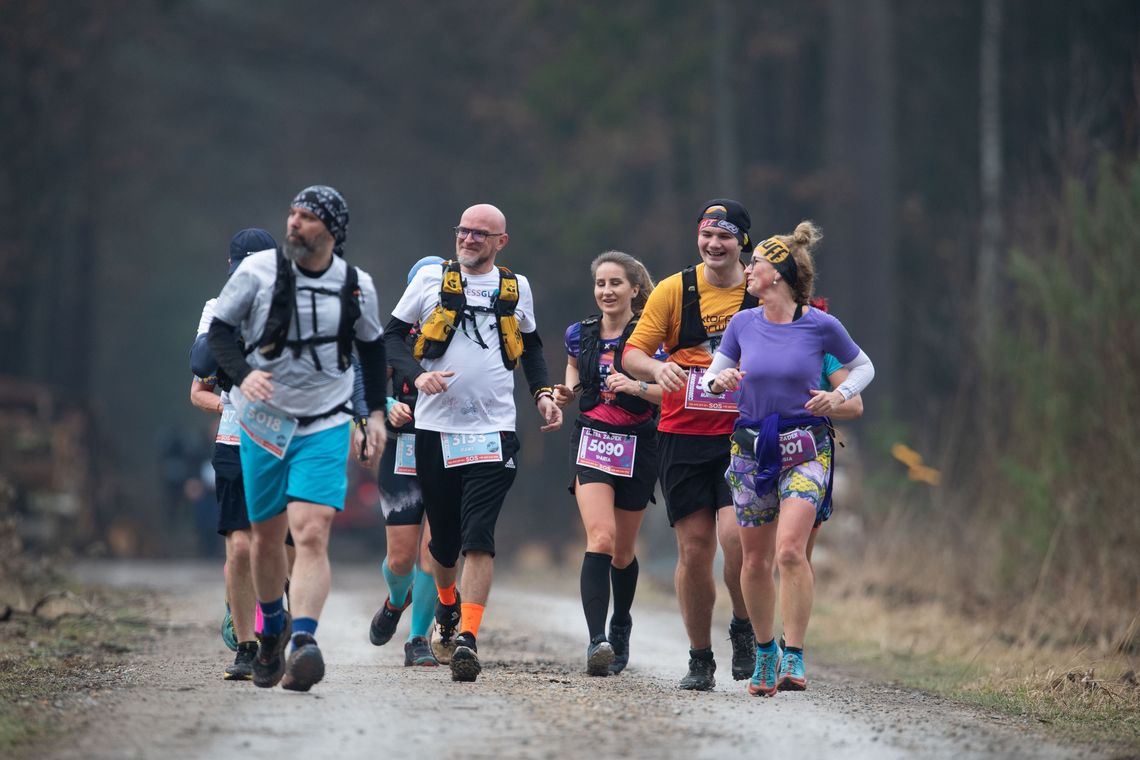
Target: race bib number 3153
x,y
469,448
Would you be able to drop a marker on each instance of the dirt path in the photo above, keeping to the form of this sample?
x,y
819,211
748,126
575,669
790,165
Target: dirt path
x,y
533,699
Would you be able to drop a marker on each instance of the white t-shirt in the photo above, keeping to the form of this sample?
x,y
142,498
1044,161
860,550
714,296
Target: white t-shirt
x,y
228,427
480,396
299,388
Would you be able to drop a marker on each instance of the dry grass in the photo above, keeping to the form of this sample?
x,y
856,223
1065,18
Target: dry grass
x,y
989,657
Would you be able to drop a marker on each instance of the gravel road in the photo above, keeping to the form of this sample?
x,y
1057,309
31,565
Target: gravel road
x,y
532,701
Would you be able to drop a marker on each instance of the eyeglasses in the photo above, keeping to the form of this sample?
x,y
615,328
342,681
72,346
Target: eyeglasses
x,y
751,261
477,236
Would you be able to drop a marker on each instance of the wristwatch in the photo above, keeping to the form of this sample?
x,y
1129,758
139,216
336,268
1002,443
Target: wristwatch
x,y
644,386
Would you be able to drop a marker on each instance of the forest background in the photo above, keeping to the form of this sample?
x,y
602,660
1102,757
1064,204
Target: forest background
x,y
973,166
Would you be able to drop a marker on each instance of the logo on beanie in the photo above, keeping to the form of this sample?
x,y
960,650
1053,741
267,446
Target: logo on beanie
x,y
723,224
715,212
774,250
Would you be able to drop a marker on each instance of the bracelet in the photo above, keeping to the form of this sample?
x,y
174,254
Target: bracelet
x,y
545,390
388,404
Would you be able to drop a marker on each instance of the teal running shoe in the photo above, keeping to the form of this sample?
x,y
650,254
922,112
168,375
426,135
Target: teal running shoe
x,y
229,635
791,676
764,678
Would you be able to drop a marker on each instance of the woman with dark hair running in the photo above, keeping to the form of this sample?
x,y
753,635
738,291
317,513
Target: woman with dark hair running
x,y
613,452
780,469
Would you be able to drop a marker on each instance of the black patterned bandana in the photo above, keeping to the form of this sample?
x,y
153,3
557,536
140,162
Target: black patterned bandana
x,y
329,206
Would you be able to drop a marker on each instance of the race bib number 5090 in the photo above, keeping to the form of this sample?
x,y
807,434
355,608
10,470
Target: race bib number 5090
x,y
609,452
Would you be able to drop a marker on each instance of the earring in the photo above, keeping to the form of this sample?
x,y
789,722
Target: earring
x,y
775,280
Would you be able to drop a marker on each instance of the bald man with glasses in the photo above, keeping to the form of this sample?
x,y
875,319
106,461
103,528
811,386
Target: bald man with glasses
x,y
477,324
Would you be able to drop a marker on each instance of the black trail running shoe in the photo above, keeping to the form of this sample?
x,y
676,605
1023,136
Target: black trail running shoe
x,y
306,666
465,659
701,669
619,640
599,657
269,665
385,620
242,668
743,650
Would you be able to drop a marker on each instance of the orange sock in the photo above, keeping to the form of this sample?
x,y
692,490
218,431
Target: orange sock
x,y
446,595
470,617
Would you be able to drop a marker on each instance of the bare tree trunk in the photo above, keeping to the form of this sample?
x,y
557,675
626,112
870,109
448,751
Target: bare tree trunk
x,y
857,259
725,113
986,287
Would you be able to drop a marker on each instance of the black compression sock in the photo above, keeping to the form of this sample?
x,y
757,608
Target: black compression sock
x,y
596,591
625,586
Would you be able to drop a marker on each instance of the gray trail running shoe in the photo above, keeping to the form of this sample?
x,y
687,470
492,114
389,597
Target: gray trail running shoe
x,y
743,650
242,667
447,618
701,669
417,651
306,666
599,657
465,659
619,640
269,665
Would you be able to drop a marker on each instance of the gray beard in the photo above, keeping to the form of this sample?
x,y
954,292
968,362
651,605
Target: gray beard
x,y
296,252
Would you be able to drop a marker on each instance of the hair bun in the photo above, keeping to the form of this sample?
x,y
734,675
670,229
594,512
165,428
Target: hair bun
x,y
807,234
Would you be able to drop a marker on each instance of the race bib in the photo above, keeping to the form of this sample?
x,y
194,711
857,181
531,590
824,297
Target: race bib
x,y
406,454
697,398
470,448
608,452
796,447
229,432
271,429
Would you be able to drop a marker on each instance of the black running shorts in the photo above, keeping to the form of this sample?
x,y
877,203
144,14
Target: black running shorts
x,y
400,496
691,469
230,491
463,503
634,493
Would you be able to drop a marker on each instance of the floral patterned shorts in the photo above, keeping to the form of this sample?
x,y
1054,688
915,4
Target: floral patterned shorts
x,y
807,481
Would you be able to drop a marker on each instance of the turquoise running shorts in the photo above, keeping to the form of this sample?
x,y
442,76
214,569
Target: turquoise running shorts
x,y
312,470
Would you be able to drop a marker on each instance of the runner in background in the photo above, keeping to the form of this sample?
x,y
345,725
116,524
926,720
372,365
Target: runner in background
x,y
834,373
613,452
405,567
233,521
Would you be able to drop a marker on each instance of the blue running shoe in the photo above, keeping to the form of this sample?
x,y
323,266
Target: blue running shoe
x,y
229,636
764,679
791,676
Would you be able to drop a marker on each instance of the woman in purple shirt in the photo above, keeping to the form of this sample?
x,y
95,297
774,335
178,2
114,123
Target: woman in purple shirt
x,y
780,470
